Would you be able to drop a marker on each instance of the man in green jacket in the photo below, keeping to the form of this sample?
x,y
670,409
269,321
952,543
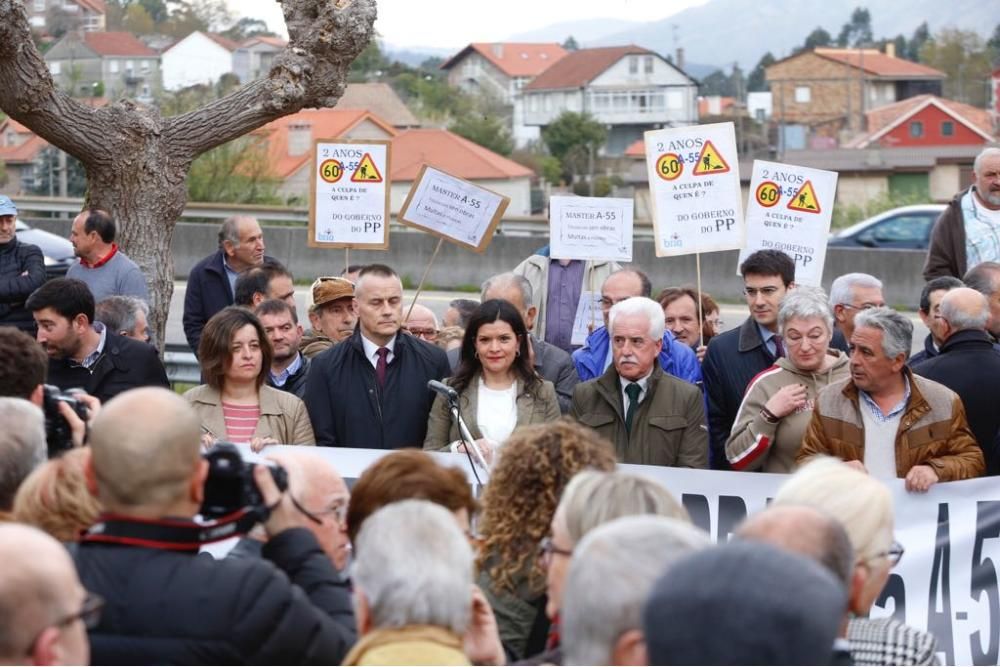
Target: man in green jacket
x,y
651,417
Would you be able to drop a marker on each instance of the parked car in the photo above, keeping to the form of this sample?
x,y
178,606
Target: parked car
x,y
58,251
906,227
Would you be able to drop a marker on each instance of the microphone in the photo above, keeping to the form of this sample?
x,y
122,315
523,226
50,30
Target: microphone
x,y
443,389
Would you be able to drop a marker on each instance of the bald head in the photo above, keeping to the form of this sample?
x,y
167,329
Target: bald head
x,y
318,487
422,316
806,531
39,585
146,447
964,309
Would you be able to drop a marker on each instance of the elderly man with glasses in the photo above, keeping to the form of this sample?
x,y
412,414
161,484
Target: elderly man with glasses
x,y
45,610
849,295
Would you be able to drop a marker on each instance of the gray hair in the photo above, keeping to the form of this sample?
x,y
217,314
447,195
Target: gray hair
x,y
804,302
983,278
431,584
897,331
593,498
230,230
506,281
639,305
992,151
842,289
610,577
118,313
22,445
962,319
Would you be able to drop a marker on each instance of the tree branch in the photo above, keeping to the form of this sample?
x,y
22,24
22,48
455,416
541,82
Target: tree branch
x,y
326,36
30,96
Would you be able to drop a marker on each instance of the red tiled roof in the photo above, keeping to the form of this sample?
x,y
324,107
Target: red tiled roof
x,y
412,149
513,58
93,5
880,64
24,152
578,68
324,124
271,41
116,44
883,119
636,149
224,42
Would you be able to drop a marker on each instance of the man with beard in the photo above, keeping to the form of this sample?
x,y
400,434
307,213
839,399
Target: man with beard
x,y
289,369
83,352
968,232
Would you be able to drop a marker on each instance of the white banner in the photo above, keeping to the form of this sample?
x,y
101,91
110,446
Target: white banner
x,y
789,209
594,228
694,185
945,583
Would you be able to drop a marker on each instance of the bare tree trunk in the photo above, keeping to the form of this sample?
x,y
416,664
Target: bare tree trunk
x,y
137,161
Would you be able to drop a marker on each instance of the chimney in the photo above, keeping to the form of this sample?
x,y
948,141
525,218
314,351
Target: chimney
x,y
679,60
890,49
299,138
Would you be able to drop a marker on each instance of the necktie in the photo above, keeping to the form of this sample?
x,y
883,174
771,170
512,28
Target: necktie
x,y
632,390
779,349
381,366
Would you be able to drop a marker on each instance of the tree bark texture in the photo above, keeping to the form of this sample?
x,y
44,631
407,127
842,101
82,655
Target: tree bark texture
x,y
137,161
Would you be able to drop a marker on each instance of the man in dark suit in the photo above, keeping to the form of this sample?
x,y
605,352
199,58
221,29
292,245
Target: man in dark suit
x,y
969,365
211,284
84,353
371,389
551,363
738,355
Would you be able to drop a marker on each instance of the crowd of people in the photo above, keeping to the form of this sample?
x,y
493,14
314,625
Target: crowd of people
x,y
563,558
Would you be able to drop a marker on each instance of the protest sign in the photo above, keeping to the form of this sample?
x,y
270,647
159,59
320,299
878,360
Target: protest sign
x,y
946,582
694,185
453,209
349,195
595,228
789,209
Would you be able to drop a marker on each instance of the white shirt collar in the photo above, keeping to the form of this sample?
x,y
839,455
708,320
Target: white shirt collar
x,y
371,349
642,382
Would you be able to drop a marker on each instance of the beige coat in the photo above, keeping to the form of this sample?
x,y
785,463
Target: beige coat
x,y
283,415
537,408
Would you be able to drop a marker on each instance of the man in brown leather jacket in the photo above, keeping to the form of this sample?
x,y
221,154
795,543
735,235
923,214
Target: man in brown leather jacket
x,y
887,421
651,417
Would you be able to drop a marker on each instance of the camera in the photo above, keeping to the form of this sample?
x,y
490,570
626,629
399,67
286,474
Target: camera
x,y
58,434
230,486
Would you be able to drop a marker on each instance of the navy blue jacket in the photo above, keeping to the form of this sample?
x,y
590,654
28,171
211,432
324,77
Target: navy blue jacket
x,y
733,359
22,271
348,409
207,293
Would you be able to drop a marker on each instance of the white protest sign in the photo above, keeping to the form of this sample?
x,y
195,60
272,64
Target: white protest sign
x,y
453,209
588,316
694,186
349,202
596,228
789,209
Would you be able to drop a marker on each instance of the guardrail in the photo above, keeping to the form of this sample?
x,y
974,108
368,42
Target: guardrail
x,y
181,364
533,225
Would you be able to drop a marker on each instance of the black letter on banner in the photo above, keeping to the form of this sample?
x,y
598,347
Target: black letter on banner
x,y
939,622
697,508
732,512
895,590
984,580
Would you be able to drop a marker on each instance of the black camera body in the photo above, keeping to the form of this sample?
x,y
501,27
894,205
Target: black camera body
x,y
230,486
58,434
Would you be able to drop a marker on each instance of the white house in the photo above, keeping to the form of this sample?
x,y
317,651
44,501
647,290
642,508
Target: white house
x,y
254,57
630,89
198,59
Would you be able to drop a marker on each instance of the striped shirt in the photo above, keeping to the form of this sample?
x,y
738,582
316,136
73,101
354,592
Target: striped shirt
x,y
241,421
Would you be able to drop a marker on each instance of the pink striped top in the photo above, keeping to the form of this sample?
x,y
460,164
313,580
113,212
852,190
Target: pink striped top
x,y
241,421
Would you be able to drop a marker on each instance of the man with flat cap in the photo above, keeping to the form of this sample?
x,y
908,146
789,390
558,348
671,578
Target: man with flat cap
x,y
333,314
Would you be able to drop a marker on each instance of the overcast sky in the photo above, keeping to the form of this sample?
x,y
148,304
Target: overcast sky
x,y
455,23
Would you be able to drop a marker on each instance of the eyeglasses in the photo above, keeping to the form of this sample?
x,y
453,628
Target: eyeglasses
x,y
423,333
547,548
894,554
765,291
338,510
90,614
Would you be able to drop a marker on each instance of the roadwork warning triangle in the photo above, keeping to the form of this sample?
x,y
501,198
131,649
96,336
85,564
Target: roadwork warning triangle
x,y
366,171
710,161
805,199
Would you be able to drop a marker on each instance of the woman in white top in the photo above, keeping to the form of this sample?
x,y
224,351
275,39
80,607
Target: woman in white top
x,y
496,382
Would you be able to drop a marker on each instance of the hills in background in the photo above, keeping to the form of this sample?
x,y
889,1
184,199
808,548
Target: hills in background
x,y
721,32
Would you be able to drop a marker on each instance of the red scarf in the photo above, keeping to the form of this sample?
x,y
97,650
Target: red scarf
x,y
101,262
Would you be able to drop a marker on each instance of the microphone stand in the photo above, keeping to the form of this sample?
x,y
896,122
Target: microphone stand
x,y
466,436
